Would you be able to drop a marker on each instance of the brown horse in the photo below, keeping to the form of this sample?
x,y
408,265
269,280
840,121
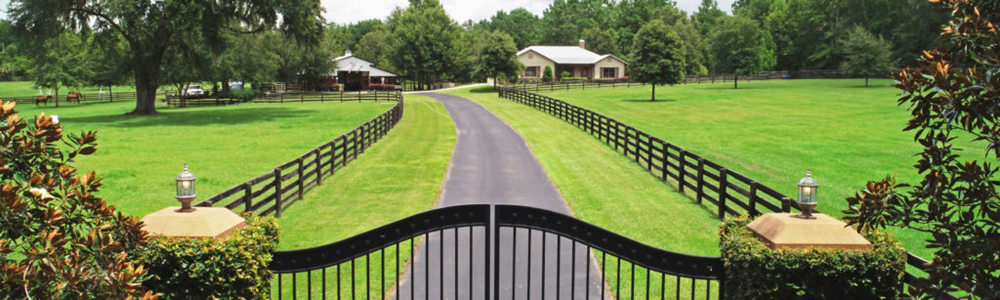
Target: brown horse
x,y
43,99
74,96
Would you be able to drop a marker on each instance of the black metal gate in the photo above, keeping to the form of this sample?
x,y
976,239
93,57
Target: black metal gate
x,y
492,252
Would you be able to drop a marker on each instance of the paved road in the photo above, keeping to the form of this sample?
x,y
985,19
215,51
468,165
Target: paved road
x,y
492,164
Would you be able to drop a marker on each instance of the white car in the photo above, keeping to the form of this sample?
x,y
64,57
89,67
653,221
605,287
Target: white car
x,y
194,91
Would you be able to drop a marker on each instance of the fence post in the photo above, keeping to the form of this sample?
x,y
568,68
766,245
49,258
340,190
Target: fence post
x,y
247,197
302,98
753,199
277,193
680,170
319,166
723,184
302,180
664,160
701,179
281,98
786,204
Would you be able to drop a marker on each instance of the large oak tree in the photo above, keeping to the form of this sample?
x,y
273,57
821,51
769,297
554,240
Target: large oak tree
x,y
150,27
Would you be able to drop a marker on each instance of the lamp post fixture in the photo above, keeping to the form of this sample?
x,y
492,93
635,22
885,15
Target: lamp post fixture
x,y
185,190
807,196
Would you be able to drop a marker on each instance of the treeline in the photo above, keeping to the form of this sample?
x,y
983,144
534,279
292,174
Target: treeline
x,y
424,44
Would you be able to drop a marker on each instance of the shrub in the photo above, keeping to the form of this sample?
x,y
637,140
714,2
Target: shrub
x,y
58,240
235,267
547,74
527,81
381,87
574,78
564,75
755,271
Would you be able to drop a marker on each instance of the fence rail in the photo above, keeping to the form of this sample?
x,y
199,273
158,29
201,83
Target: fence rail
x,y
269,193
96,97
178,101
729,191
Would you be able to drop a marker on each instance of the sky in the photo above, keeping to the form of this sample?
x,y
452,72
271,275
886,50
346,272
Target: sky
x,y
352,11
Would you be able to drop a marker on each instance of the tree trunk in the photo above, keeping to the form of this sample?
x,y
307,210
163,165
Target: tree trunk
x,y
866,80
145,90
653,99
57,95
735,79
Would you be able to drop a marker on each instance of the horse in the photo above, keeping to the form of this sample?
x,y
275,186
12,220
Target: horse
x,y
43,99
74,95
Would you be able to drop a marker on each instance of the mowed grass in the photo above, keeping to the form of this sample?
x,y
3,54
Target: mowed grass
x,y
773,131
139,156
399,176
28,88
603,187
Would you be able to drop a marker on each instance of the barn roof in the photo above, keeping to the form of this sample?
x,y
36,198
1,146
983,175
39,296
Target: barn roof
x,y
351,63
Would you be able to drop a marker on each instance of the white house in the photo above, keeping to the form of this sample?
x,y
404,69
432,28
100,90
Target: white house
x,y
576,60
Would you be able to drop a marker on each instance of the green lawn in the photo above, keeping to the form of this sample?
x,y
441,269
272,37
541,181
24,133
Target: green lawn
x,y
24,89
139,157
603,187
399,176
773,131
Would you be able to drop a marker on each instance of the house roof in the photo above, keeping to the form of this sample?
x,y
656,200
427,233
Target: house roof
x,y
568,55
351,63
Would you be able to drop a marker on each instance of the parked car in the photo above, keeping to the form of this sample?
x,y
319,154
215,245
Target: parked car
x,y
235,85
194,91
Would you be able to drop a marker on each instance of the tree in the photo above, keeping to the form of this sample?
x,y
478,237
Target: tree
x,y
866,54
61,61
547,74
496,57
658,56
151,27
694,47
737,47
708,16
952,94
523,26
600,41
372,47
58,240
564,20
424,46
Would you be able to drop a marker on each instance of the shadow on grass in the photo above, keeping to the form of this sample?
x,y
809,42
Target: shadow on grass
x,y
486,89
651,102
231,116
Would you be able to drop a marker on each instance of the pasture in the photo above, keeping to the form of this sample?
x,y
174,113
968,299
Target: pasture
x,y
139,157
771,131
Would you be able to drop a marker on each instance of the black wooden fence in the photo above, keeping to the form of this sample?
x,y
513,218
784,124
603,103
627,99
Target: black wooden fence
x,y
95,97
269,193
178,101
732,193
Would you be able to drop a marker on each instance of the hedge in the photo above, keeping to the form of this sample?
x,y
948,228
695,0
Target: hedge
x,y
754,271
232,268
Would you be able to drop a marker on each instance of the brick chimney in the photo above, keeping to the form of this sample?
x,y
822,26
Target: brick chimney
x,y
583,44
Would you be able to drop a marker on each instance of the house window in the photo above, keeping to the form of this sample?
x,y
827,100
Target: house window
x,y
531,72
609,72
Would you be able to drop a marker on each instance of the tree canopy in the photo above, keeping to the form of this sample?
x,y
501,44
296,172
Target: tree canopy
x,y
866,54
424,46
737,47
151,27
658,56
496,57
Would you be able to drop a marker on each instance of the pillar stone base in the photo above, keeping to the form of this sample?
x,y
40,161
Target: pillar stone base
x,y
204,222
784,230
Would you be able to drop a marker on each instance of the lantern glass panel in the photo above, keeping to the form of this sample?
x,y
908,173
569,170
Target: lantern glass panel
x,y
185,188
